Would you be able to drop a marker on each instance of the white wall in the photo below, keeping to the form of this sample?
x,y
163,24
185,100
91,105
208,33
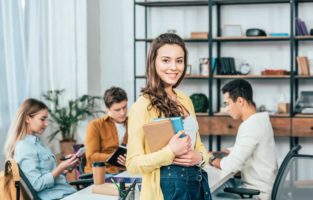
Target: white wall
x,y
117,48
116,41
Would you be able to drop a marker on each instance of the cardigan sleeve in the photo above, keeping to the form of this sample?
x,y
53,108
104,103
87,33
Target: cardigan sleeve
x,y
244,147
138,159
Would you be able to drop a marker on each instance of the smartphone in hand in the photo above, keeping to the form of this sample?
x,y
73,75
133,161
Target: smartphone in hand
x,y
78,154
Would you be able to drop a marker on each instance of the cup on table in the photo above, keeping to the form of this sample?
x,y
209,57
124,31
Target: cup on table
x,y
98,170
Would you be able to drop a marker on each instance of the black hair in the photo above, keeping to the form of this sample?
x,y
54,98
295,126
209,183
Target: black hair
x,y
239,88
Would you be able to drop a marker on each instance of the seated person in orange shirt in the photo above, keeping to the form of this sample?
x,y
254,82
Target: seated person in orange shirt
x,y
104,135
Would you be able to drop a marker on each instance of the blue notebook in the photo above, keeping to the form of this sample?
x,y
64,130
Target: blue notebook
x,y
177,123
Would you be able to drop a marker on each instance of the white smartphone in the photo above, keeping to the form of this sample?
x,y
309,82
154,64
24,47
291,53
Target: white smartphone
x,y
80,152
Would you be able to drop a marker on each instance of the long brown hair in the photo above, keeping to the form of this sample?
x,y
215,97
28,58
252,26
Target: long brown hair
x,y
154,88
19,128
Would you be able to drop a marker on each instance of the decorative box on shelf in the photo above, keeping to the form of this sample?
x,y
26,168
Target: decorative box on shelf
x,y
277,72
199,35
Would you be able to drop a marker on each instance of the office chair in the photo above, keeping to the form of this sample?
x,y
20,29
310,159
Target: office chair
x,y
84,179
289,184
26,186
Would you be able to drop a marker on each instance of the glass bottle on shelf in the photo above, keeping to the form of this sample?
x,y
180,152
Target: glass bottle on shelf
x,y
204,66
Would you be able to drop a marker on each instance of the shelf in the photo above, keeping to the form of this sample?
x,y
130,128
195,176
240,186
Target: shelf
x,y
186,77
196,77
202,114
305,1
222,114
214,2
308,37
250,39
185,40
237,2
172,3
251,76
303,77
279,115
304,115
228,39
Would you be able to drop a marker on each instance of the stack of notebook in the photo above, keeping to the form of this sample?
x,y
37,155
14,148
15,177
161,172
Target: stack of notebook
x,y
159,132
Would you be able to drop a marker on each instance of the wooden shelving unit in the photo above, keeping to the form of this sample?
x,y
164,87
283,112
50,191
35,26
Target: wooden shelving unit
x,y
250,39
212,123
251,76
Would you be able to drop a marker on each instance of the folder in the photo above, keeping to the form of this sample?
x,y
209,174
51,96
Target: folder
x,y
158,134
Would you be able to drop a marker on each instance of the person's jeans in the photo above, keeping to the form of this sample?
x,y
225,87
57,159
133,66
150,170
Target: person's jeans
x,y
184,183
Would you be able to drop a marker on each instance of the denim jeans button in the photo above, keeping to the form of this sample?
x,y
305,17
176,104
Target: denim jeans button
x,y
169,174
168,167
182,175
183,169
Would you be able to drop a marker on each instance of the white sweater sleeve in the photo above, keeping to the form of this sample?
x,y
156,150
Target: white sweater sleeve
x,y
244,147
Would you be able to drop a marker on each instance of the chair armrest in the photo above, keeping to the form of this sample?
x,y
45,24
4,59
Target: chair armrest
x,y
86,176
243,192
81,183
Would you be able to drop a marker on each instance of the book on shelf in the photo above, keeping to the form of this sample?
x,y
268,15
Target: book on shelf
x,y
301,28
212,65
279,34
226,66
121,150
303,65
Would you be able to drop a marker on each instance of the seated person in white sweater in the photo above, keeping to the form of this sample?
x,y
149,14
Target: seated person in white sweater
x,y
254,151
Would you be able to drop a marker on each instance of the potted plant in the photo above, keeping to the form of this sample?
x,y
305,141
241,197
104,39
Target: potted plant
x,y
200,102
66,118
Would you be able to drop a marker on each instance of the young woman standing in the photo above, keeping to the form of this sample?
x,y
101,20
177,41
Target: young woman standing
x,y
173,172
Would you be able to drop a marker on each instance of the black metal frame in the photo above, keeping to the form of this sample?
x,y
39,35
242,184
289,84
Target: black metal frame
x,y
292,39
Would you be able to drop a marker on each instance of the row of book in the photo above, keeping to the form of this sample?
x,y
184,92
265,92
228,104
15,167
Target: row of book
x,y
303,65
301,28
225,66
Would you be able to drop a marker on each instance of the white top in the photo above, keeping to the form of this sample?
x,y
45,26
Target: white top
x,y
121,130
191,128
254,154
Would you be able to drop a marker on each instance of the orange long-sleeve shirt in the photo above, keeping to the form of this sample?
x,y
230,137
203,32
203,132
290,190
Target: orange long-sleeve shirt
x,y
101,141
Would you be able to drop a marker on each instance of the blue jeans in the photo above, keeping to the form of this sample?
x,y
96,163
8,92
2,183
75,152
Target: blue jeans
x,y
184,183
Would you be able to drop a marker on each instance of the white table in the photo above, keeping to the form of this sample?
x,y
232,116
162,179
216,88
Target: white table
x,y
216,179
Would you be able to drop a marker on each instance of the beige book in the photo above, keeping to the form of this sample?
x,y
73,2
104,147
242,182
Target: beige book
x,y
301,65
158,134
106,189
307,65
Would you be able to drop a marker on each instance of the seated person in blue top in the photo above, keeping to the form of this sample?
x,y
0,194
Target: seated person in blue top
x,y
34,158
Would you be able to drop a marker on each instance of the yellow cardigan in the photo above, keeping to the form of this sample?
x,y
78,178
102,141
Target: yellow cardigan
x,y
139,159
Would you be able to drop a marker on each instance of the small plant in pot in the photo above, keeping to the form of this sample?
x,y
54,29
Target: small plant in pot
x,y
200,102
65,119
